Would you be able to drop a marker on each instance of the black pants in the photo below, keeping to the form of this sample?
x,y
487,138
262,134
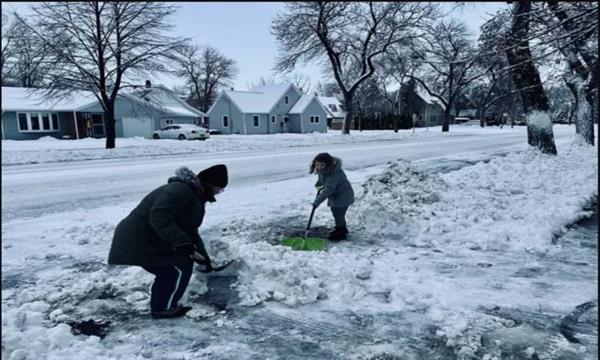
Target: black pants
x,y
339,215
169,285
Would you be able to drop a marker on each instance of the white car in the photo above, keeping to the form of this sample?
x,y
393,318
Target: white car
x,y
181,132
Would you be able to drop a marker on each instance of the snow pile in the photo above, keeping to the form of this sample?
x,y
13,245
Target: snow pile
x,y
27,335
391,202
277,273
519,202
540,120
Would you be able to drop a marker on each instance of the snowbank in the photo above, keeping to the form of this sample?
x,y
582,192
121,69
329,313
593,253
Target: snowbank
x,y
42,151
509,205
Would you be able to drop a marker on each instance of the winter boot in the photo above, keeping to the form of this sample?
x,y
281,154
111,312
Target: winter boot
x,y
177,311
338,234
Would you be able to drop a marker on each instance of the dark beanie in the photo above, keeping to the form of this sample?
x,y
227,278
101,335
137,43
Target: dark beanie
x,y
324,158
214,175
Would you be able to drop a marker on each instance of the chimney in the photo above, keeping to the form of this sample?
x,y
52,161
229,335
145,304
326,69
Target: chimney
x,y
148,84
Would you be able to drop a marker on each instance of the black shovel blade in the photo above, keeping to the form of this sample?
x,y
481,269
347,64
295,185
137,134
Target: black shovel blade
x,y
219,268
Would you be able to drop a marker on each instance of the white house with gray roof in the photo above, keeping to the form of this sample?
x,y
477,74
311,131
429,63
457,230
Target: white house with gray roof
x,y
267,110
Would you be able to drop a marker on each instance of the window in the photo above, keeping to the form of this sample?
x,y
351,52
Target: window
x,y
55,121
255,121
314,119
333,108
23,124
39,122
35,121
46,121
287,100
285,119
225,121
168,121
317,119
272,119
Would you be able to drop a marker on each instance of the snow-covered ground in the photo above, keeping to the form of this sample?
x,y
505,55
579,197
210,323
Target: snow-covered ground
x,y
459,249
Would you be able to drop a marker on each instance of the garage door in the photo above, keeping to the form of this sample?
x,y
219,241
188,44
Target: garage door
x,y
137,127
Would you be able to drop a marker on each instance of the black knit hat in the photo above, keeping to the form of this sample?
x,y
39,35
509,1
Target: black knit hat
x,y
214,175
324,158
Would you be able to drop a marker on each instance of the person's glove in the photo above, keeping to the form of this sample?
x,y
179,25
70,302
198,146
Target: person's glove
x,y
187,248
202,260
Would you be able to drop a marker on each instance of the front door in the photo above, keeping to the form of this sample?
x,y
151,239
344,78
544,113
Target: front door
x,y
97,125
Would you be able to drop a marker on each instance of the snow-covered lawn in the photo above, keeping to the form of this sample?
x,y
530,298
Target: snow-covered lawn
x,y
48,149
427,252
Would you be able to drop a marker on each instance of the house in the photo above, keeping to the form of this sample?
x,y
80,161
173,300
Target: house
x,y
267,110
335,112
415,99
28,115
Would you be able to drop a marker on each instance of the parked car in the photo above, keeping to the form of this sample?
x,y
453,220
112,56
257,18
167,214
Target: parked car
x,y
181,132
214,131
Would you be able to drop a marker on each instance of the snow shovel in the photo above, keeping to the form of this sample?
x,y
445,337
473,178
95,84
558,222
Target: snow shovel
x,y
219,268
305,243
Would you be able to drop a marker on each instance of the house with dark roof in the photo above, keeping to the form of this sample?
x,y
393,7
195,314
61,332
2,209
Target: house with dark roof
x,y
267,110
28,114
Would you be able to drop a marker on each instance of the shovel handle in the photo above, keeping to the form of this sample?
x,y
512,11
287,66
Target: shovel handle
x,y
312,213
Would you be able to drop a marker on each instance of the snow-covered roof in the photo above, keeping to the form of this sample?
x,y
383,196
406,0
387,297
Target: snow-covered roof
x,y
333,106
182,111
423,94
166,100
301,104
27,99
250,101
260,99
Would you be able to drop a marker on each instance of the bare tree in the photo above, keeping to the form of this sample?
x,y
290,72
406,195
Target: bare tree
x,y
263,81
301,81
347,36
327,88
6,45
451,63
527,79
27,62
395,68
104,46
206,71
575,36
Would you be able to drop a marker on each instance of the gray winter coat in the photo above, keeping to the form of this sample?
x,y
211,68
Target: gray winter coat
x,y
162,225
335,187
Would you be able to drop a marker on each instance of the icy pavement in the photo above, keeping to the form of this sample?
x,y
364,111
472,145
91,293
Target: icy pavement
x,y
481,263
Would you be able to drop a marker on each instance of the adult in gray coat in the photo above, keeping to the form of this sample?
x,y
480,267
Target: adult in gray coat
x,y
333,186
161,235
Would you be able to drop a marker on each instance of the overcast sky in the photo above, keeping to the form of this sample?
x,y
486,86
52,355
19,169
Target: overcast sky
x,y
241,31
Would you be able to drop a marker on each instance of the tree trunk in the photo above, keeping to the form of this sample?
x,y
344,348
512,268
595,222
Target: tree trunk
x,y
348,98
574,105
446,123
591,96
527,79
109,121
482,112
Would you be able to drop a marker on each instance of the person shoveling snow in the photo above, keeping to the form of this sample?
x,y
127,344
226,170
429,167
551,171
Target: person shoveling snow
x,y
334,187
161,235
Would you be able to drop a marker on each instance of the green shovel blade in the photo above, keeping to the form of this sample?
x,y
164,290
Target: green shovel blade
x,y
309,244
